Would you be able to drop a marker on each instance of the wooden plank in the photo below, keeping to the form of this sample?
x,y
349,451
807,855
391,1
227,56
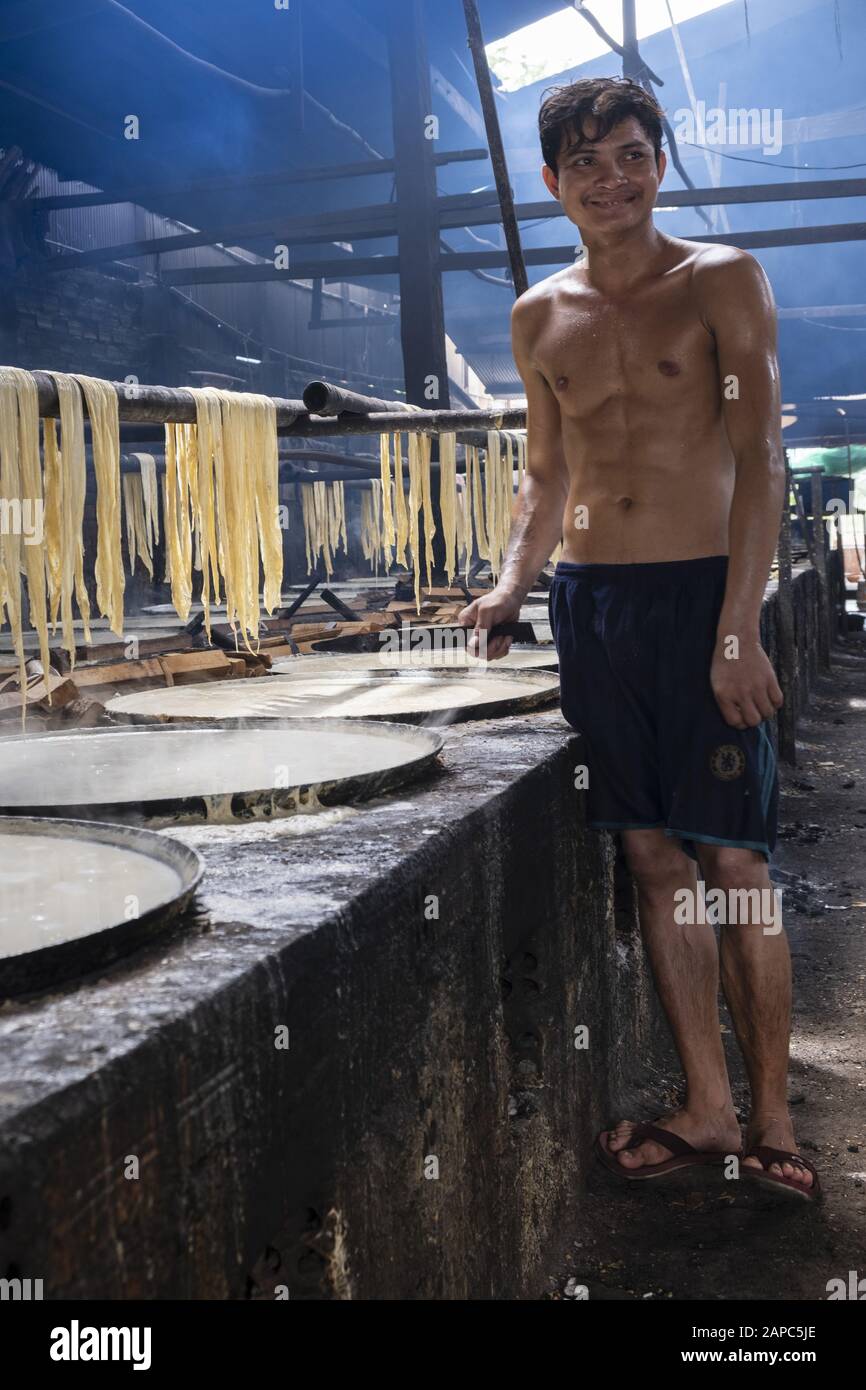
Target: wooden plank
x,y
819,560
173,668
62,691
115,651
787,660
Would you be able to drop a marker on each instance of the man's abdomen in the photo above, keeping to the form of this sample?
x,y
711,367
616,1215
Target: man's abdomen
x,y
638,510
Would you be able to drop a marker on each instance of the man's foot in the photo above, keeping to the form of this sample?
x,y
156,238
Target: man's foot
x,y
707,1133
776,1133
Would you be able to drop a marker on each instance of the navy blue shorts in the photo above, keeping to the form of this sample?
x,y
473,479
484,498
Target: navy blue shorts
x,y
635,643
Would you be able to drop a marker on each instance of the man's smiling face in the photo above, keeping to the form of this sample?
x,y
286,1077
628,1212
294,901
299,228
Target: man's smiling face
x,y
609,184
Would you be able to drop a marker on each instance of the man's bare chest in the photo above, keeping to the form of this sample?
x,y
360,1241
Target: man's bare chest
x,y
655,347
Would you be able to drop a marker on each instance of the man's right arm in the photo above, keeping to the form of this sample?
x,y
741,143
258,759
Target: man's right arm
x,y
536,526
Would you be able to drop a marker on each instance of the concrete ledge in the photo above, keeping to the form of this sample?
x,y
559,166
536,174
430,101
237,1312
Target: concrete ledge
x,y
419,1043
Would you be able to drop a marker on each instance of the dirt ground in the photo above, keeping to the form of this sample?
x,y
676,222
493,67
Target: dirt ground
x,y
704,1238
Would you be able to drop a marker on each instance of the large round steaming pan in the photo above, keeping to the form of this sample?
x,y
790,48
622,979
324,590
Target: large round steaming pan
x,y
164,773
351,663
25,971
430,697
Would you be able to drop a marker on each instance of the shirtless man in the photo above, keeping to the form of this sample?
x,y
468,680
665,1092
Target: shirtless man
x,y
654,454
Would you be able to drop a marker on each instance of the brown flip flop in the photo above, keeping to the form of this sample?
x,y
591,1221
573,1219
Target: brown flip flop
x,y
765,1157
683,1154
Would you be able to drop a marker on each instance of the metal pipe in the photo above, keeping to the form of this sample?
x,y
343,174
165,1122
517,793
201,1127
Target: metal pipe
x,y
323,398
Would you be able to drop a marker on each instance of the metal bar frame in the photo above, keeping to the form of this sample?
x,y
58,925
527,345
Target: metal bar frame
x,y
362,268
357,169
378,221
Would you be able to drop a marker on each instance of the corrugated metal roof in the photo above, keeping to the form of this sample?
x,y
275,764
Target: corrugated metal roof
x,y
498,372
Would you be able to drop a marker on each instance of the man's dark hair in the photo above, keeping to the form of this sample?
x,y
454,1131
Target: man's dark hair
x,y
604,100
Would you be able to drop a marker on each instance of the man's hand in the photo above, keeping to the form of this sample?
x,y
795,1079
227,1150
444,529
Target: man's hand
x,y
744,685
499,606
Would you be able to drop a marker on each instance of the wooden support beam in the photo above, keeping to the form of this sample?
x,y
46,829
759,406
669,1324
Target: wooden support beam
x,y
422,315
819,559
296,66
630,58
787,658
516,262
422,312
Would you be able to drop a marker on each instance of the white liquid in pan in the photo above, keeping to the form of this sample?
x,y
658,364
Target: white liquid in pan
x,y
340,696
54,889
167,764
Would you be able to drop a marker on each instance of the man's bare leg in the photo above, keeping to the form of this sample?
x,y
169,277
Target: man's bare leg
x,y
756,979
685,964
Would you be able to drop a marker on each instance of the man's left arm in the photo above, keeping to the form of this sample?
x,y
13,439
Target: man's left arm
x,y
738,308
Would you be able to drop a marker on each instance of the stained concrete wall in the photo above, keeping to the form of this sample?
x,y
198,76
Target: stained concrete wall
x,y
428,1130
807,620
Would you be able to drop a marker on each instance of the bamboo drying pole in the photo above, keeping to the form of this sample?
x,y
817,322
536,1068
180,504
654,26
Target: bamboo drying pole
x,y
164,404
